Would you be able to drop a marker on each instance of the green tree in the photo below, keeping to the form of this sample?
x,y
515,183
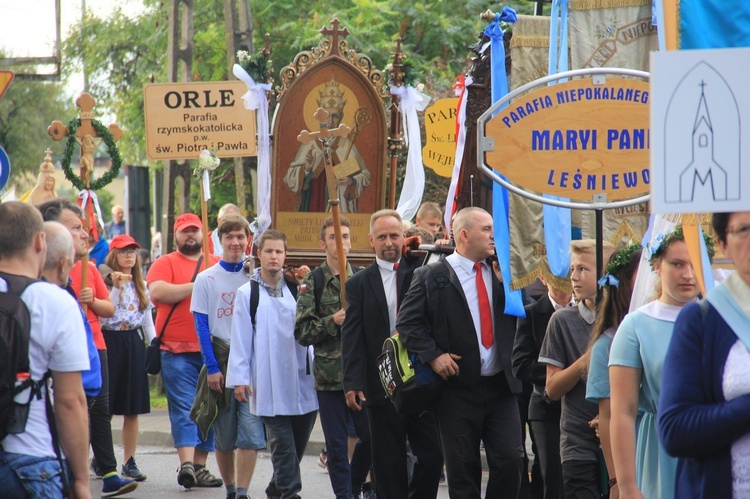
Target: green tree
x,y
122,53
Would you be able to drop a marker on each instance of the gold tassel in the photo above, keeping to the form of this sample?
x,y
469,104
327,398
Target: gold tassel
x,y
529,41
606,4
541,270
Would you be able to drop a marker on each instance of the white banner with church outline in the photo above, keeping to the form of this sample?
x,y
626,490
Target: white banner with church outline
x,y
700,130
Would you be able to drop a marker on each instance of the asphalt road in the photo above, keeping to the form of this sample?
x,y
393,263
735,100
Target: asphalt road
x,y
160,464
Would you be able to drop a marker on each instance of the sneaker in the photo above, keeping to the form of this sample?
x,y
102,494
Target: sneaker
x,y
95,469
186,475
323,460
204,478
243,496
232,495
130,470
114,486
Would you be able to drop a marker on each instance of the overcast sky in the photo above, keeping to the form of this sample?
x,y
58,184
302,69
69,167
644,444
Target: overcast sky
x,y
27,27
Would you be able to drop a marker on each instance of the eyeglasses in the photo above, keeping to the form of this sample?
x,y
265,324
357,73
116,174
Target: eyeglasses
x,y
128,252
741,232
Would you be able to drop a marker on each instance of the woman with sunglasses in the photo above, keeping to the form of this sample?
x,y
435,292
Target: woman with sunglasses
x,y
126,334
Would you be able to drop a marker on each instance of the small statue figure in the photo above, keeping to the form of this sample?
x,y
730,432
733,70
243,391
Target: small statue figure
x,y
45,183
88,144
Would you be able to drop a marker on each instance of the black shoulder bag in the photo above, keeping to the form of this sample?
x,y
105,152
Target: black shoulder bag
x,y
152,361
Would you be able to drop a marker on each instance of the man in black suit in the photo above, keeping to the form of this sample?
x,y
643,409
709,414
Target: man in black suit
x,y
372,297
544,413
452,317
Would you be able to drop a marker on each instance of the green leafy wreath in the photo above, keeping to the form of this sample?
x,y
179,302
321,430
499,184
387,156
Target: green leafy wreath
x,y
114,154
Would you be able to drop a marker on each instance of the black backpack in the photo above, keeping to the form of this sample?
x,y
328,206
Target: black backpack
x,y
318,284
15,331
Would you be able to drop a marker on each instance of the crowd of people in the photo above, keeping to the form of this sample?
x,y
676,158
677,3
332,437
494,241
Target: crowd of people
x,y
647,403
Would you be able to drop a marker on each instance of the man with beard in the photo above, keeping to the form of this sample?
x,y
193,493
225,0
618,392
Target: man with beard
x,y
170,283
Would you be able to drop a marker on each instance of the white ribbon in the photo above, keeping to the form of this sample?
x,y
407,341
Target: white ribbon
x,y
255,99
84,196
412,101
458,157
206,185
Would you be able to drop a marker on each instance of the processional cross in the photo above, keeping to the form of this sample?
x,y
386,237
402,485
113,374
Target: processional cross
x,y
325,136
87,138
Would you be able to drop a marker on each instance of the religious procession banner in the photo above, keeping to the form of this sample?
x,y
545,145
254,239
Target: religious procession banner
x,y
439,151
613,33
529,48
346,85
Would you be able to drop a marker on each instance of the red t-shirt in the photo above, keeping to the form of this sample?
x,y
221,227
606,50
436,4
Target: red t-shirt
x,y
180,335
96,283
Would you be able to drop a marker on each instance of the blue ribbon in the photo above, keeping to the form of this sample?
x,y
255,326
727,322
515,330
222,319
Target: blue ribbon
x,y
558,59
513,299
653,247
557,224
708,276
608,280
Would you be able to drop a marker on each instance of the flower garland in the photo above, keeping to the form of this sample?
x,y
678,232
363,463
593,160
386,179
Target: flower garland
x,y
658,248
622,258
114,154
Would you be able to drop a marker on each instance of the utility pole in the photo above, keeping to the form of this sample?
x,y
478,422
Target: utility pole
x,y
177,174
238,21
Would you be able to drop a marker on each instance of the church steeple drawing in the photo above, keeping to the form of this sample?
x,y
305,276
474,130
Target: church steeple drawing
x,y
703,177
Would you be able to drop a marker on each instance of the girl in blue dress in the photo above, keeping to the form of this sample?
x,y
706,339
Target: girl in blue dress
x,y
617,286
636,363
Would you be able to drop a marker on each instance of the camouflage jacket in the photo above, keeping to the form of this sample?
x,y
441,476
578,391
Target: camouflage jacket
x,y
316,327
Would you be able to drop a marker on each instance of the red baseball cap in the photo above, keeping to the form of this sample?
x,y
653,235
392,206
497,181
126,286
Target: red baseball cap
x,y
123,241
187,220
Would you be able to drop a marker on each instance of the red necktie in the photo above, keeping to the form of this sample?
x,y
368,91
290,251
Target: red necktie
x,y
485,312
395,266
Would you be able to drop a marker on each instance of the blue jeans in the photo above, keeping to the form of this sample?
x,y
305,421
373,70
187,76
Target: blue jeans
x,y
180,374
24,476
238,427
346,478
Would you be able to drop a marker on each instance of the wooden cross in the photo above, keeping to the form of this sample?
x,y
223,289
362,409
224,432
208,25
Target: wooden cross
x,y
325,136
88,139
334,34
86,136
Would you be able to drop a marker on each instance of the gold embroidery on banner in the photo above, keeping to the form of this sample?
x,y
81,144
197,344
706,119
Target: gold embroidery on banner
x,y
529,41
605,4
541,270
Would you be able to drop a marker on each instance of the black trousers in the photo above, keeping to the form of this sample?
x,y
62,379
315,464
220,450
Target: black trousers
x,y
547,436
482,412
388,432
100,425
581,479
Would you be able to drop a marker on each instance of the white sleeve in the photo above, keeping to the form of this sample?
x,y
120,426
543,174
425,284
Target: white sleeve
x,y
148,324
199,300
69,352
239,368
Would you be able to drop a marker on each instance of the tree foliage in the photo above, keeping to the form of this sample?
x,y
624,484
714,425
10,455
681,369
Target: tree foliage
x,y
26,110
122,53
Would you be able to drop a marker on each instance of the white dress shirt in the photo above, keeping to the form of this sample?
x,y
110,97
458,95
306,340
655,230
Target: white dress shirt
x,y
390,286
464,268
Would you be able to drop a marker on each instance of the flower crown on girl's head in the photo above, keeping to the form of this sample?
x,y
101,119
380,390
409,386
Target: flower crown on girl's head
x,y
620,260
658,248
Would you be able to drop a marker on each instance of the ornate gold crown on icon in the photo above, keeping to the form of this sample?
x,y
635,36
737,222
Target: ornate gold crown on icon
x,y
332,97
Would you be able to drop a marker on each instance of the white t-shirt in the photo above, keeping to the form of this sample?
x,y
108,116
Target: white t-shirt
x,y
214,293
58,343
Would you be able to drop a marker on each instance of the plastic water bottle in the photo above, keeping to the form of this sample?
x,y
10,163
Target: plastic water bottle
x,y
23,397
